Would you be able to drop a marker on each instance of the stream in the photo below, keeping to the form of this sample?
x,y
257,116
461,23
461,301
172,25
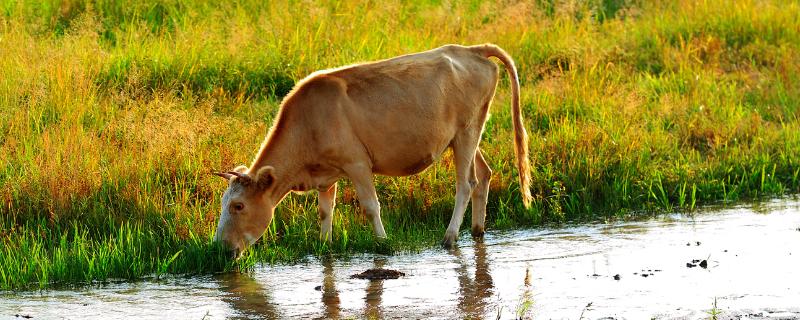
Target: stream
x,y
743,259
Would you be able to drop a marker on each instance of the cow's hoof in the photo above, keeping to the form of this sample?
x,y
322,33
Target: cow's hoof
x,y
477,232
449,241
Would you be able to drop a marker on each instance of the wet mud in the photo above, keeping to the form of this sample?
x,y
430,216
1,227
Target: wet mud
x,y
378,274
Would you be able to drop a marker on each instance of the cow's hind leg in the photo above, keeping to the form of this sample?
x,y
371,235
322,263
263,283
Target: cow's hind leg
x,y
480,194
361,176
464,147
327,201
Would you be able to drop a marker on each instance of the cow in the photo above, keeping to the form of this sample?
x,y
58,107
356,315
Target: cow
x,y
391,117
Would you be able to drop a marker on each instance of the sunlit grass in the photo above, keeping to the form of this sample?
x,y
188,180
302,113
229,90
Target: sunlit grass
x,y
113,114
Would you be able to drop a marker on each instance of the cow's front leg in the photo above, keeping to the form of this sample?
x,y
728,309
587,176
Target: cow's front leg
x,y
327,201
361,176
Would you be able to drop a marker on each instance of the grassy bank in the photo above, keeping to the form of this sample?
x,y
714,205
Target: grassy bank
x,y
113,114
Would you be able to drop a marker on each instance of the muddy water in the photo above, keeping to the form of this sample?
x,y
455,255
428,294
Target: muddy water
x,y
752,271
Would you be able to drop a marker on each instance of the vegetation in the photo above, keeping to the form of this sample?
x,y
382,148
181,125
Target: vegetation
x,y
113,114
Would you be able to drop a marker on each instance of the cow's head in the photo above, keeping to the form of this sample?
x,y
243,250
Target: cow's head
x,y
246,208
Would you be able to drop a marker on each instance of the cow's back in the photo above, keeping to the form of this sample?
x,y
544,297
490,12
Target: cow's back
x,y
406,111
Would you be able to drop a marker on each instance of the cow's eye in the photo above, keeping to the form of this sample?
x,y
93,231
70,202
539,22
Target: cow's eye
x,y
238,206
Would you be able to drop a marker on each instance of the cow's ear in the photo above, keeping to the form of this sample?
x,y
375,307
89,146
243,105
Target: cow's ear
x,y
265,177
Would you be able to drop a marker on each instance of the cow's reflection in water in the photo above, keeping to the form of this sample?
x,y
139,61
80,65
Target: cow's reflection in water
x,y
372,310
475,292
247,296
251,299
330,296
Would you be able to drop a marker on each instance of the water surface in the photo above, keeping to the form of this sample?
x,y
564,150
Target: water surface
x,y
752,272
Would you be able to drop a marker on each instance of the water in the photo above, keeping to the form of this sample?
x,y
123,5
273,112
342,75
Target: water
x,y
753,272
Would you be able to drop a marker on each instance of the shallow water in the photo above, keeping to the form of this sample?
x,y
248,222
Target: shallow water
x,y
753,272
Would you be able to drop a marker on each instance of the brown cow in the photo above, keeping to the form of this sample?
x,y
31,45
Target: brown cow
x,y
392,117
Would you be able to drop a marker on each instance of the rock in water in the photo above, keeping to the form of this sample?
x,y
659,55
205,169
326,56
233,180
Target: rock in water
x,y
379,274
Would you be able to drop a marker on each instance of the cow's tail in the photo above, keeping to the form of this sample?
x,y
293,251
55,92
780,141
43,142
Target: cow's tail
x,y
520,136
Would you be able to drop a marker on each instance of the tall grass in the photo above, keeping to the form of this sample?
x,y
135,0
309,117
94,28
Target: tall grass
x,y
112,115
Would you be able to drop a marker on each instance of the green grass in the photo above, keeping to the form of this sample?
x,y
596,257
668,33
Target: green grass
x,y
714,311
113,114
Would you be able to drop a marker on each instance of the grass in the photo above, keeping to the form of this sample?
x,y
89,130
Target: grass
x,y
714,312
112,115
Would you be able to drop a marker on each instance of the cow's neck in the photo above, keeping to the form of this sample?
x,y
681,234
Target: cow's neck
x,y
287,156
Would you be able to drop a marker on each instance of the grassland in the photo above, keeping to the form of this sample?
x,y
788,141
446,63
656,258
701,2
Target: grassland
x,y
112,115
